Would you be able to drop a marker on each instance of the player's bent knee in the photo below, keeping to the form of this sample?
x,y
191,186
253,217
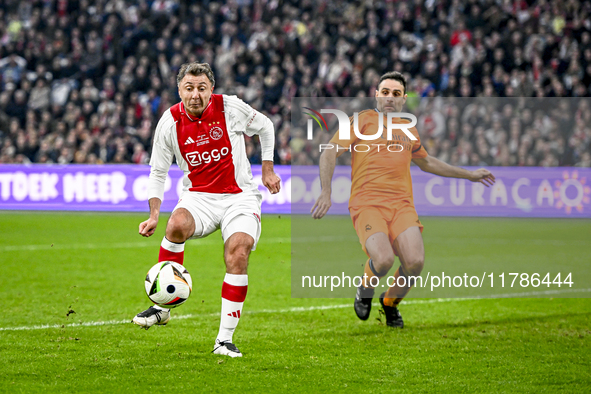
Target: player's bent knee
x,y
180,226
237,262
237,252
380,250
238,256
383,261
414,265
239,241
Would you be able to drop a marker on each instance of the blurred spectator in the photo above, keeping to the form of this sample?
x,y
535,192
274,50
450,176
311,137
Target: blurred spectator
x,y
12,68
40,95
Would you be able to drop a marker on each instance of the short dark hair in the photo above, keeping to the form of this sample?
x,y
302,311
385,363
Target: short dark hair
x,y
195,69
396,76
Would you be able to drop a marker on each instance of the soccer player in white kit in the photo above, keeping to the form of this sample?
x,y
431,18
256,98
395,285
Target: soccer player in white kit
x,y
205,132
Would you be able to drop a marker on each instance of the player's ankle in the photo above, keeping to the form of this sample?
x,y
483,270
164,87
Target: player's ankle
x,y
389,301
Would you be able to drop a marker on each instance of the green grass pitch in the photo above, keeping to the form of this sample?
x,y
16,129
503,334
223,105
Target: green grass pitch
x,y
71,282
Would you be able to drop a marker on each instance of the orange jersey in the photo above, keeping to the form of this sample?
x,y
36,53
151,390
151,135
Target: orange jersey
x,y
380,169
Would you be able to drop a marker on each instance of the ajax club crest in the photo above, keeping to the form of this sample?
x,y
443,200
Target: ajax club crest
x,y
216,133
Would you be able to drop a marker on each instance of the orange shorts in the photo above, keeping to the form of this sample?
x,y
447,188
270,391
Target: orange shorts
x,y
391,221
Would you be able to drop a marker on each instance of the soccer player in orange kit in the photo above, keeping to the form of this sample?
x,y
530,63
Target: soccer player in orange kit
x,y
381,203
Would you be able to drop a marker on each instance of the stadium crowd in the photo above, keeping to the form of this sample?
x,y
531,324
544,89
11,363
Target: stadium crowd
x,y
86,81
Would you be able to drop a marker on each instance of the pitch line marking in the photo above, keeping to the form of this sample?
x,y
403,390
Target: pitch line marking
x,y
292,310
194,315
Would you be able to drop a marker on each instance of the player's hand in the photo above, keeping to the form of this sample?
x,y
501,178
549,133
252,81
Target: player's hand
x,y
483,176
271,180
321,206
148,227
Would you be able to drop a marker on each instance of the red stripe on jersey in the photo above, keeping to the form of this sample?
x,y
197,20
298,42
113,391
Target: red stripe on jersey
x,y
205,145
234,293
167,255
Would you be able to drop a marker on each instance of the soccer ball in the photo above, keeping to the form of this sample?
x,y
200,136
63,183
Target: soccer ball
x,y
168,284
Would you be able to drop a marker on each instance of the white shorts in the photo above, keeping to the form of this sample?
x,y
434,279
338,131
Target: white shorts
x,y
232,213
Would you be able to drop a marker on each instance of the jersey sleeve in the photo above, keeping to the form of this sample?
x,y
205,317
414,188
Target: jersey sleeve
x,y
418,150
250,122
162,155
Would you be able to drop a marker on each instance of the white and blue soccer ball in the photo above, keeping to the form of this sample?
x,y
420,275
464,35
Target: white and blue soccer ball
x,y
168,284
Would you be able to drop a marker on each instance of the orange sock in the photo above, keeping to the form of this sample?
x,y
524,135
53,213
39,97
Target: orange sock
x,y
395,293
368,275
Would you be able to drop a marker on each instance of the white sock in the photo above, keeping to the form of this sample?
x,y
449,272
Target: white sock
x,y
161,308
233,294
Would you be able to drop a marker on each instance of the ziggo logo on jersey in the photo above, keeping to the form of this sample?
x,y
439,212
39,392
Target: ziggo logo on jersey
x,y
196,158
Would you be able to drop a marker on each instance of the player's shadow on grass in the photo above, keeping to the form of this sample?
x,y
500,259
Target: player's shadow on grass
x,y
535,322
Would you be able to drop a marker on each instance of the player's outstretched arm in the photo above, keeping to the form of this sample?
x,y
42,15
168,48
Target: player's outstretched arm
x,y
435,166
270,180
328,160
147,227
